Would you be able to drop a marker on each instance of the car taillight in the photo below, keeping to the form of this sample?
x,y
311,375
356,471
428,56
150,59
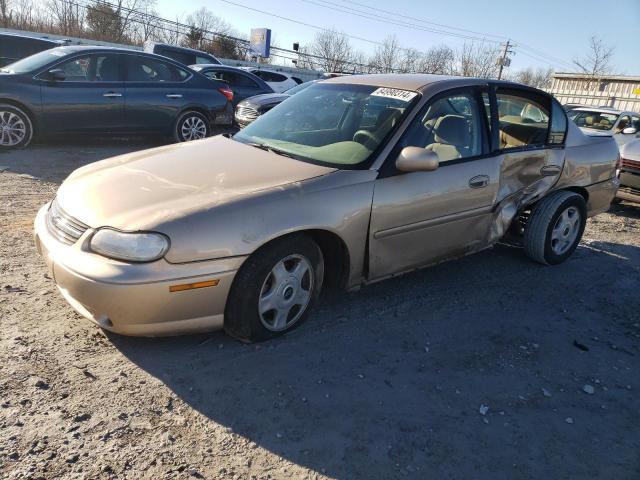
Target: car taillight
x,y
227,92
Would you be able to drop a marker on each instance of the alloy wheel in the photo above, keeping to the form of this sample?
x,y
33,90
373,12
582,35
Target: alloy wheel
x,y
193,128
565,231
13,129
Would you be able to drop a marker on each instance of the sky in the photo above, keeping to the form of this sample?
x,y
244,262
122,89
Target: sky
x,y
547,33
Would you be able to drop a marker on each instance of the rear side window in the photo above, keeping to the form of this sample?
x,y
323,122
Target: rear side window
x,y
146,69
232,78
558,130
523,118
270,76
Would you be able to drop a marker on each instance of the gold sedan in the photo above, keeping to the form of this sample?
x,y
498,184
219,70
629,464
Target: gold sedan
x,y
351,181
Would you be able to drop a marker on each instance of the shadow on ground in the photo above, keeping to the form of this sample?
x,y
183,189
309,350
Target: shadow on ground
x,y
388,382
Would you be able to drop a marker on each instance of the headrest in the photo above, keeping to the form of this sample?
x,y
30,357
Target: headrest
x,y
452,130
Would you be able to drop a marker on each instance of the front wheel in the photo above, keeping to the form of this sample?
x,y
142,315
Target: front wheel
x,y
555,227
16,129
275,289
191,125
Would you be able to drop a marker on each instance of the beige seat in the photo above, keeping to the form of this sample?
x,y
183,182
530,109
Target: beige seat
x,y
451,138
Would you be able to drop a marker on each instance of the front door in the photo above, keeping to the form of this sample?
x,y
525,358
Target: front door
x,y
87,96
424,217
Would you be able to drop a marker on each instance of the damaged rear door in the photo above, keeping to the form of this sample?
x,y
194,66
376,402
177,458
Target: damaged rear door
x,y
529,130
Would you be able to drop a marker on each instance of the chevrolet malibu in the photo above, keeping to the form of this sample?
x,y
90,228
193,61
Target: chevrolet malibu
x,y
394,173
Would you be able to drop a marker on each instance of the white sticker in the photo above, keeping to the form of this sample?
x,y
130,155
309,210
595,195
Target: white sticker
x,y
395,93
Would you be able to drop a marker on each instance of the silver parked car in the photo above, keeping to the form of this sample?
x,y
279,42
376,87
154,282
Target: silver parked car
x,y
622,125
629,172
396,172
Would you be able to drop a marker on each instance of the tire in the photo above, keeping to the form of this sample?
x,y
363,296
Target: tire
x,y
261,283
555,227
191,125
16,128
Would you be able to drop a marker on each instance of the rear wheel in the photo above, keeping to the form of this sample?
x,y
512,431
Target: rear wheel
x,y
16,129
191,125
275,289
555,227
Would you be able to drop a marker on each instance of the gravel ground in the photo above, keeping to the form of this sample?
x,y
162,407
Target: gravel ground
x,y
488,367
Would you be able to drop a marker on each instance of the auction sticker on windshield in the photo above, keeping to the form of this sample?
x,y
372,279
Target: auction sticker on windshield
x,y
395,93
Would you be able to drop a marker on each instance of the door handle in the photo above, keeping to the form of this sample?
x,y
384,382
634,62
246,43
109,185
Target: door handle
x,y
112,95
174,95
550,170
479,181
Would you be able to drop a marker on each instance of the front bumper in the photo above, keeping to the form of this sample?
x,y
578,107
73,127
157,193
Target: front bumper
x,y
134,299
629,186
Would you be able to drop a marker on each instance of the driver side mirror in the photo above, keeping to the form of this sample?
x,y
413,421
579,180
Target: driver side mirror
x,y
57,75
416,159
630,131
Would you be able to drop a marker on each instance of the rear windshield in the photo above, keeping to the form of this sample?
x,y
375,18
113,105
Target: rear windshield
x,y
37,61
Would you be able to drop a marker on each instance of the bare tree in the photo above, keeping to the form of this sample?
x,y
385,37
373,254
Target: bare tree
x,y
386,58
67,17
539,78
332,51
438,60
5,13
477,60
597,62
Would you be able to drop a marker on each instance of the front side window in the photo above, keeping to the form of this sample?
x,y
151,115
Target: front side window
x,y
596,120
523,119
331,124
91,68
147,69
450,126
624,122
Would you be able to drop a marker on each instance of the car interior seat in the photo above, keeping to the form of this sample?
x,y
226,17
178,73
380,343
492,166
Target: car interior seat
x,y
452,138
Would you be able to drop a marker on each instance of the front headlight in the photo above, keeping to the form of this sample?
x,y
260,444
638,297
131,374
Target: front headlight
x,y
134,247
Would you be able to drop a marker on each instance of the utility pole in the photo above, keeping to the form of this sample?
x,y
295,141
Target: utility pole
x,y
503,60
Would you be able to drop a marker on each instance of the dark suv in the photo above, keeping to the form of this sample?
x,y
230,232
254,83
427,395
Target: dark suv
x,y
72,90
13,47
184,55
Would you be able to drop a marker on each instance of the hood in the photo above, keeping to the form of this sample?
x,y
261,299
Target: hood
x,y
141,190
265,99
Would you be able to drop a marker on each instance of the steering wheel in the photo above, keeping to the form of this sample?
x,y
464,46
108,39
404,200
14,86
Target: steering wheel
x,y
365,136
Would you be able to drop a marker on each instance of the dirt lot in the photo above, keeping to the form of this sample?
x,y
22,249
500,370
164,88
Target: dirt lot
x,y
489,367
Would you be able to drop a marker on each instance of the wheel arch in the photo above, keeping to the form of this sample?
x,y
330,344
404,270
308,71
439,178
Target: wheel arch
x,y
337,260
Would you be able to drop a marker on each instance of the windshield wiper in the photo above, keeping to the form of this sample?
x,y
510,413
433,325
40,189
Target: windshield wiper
x,y
267,148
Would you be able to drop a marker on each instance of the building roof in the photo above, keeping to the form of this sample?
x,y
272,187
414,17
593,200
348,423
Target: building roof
x,y
615,78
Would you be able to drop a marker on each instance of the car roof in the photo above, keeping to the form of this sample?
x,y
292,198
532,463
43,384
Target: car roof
x,y
614,111
183,49
219,67
33,37
417,81
100,48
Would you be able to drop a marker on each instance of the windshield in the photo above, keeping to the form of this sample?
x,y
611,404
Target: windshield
x,y
596,120
37,61
331,124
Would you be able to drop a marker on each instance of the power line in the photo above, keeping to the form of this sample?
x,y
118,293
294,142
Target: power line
x,y
387,20
540,56
500,37
377,17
